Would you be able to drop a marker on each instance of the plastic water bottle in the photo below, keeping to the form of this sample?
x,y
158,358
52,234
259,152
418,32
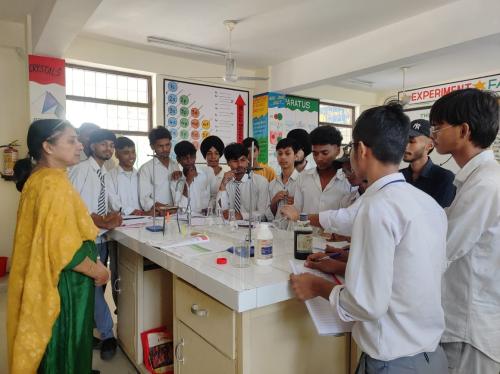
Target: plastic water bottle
x,y
263,245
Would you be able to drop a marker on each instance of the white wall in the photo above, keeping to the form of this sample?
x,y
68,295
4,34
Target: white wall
x,y
14,119
86,50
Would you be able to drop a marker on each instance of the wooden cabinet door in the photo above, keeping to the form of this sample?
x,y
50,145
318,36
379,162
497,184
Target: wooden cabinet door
x,y
127,319
194,355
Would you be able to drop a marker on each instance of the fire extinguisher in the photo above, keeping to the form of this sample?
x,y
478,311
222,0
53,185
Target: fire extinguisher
x,y
10,156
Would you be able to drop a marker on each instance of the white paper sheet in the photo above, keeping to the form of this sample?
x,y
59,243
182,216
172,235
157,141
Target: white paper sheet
x,y
324,316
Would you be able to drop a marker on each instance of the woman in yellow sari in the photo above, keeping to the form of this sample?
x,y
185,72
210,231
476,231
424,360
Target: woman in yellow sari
x,y
54,269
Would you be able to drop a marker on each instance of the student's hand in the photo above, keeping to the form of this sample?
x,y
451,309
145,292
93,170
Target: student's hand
x,y
138,212
225,213
102,274
329,266
228,176
344,254
307,286
290,212
238,216
281,195
339,238
175,175
112,220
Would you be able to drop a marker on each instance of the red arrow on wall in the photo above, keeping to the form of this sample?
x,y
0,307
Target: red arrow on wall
x,y
240,119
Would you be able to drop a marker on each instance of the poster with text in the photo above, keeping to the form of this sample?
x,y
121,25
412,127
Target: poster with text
x,y
47,87
194,111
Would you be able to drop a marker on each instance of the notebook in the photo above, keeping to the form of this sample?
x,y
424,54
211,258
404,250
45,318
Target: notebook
x,y
324,316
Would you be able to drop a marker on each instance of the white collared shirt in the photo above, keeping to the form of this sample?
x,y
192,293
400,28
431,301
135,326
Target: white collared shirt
x,y
218,179
392,288
277,185
260,197
84,178
471,284
162,182
124,190
340,221
199,191
310,199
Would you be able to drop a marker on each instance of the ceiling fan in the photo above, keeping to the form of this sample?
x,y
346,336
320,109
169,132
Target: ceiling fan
x,y
230,63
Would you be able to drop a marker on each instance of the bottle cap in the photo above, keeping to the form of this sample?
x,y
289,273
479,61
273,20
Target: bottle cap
x,y
221,260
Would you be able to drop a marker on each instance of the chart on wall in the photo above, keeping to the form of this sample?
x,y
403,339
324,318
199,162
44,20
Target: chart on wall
x,y
194,111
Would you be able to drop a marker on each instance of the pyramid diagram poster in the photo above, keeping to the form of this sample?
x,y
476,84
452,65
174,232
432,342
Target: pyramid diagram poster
x,y
47,87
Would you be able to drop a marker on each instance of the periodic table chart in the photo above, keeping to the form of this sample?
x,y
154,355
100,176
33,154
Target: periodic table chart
x,y
194,111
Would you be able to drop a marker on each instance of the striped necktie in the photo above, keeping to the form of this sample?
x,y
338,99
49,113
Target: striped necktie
x,y
237,197
101,203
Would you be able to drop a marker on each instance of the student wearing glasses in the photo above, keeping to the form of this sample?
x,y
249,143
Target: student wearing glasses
x,y
392,290
465,124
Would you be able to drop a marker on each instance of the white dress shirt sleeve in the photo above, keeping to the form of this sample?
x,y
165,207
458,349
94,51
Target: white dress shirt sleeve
x,y
262,199
269,213
114,199
340,221
472,213
145,187
298,197
369,273
223,199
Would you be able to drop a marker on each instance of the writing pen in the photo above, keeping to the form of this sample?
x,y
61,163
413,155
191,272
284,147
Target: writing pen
x,y
331,256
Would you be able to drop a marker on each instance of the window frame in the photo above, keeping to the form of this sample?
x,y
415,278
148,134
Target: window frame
x,y
351,107
148,105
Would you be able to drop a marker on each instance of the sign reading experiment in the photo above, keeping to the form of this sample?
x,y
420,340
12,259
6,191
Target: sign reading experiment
x,y
432,93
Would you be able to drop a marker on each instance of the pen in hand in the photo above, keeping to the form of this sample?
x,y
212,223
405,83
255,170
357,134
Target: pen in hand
x,y
330,256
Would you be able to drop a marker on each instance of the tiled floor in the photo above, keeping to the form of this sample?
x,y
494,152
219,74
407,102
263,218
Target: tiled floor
x,y
119,363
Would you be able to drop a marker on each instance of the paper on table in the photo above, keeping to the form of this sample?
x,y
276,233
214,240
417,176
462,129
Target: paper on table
x,y
141,221
324,316
194,246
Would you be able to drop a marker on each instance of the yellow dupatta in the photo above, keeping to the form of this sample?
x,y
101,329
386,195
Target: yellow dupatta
x,y
52,224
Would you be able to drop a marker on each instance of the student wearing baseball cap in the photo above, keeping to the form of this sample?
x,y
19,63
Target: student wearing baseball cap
x,y
422,172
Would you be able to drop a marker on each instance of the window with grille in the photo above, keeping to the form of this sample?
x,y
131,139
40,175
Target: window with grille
x,y
113,100
341,116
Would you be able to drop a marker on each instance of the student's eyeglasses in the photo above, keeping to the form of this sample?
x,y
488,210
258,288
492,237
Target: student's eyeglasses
x,y
435,129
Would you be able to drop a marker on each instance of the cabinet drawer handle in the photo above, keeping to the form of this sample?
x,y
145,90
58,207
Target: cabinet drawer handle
x,y
197,311
178,351
116,285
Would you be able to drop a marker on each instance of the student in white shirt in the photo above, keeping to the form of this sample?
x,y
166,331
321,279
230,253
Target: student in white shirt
x,y
392,288
338,221
84,132
302,138
88,178
160,140
282,188
123,180
195,186
322,188
212,149
465,124
234,191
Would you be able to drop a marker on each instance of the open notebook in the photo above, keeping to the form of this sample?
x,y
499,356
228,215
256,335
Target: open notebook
x,y
325,317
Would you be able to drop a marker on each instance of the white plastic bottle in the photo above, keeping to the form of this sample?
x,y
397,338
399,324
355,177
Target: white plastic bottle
x,y
263,245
